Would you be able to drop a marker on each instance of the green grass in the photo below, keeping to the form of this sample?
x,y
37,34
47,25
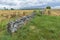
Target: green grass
x,y
39,28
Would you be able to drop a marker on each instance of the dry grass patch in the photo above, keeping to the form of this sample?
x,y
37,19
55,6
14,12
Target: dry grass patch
x,y
52,12
32,27
7,14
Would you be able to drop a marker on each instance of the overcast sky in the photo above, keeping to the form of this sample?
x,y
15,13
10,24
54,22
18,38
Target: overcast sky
x,y
27,3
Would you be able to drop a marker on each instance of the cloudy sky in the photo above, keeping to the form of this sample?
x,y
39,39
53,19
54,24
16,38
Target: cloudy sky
x,y
29,3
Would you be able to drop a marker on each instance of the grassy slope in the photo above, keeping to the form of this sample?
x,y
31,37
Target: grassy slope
x,y
39,28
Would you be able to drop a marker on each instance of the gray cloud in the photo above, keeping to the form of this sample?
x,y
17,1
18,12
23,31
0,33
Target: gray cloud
x,y
25,3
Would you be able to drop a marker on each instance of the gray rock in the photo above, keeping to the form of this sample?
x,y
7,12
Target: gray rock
x,y
14,25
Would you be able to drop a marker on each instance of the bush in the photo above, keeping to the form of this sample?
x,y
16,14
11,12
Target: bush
x,y
48,7
12,9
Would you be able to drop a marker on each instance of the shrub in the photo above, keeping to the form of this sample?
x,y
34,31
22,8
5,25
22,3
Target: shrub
x,y
48,7
12,9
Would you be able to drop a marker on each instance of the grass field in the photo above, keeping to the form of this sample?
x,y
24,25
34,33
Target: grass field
x,y
17,12
39,28
7,14
53,12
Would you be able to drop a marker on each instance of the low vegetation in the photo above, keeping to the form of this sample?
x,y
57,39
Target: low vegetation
x,y
42,27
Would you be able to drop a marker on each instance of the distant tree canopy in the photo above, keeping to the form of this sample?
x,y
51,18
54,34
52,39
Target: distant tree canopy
x,y
12,8
5,8
48,7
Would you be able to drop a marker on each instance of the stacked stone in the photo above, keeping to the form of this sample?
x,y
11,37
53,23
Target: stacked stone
x,y
14,25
